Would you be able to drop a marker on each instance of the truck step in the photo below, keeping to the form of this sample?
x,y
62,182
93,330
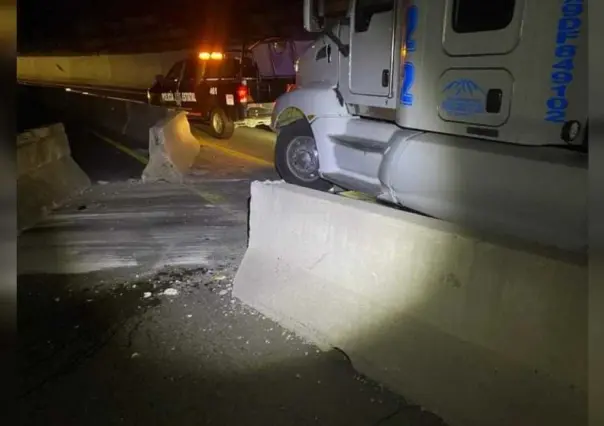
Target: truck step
x,y
367,145
366,135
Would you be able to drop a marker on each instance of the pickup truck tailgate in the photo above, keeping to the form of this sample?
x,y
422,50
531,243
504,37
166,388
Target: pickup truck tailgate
x,y
267,90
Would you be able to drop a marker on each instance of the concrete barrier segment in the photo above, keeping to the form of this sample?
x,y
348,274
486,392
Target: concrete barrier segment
x,y
172,149
47,175
482,331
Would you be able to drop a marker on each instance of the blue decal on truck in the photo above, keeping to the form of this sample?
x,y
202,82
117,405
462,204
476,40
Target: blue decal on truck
x,y
561,75
412,18
406,97
463,97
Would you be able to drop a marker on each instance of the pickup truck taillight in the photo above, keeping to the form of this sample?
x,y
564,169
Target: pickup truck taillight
x,y
242,94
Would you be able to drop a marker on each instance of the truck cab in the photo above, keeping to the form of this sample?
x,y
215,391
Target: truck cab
x,y
226,89
469,111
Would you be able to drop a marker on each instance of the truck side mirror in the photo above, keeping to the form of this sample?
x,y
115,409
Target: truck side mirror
x,y
312,20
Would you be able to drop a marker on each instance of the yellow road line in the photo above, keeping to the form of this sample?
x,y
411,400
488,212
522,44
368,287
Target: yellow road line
x,y
142,159
236,154
208,196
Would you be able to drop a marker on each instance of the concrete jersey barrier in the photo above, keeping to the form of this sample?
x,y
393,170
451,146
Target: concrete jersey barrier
x,y
47,175
483,331
172,149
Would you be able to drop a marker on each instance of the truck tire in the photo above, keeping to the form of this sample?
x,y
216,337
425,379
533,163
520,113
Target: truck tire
x,y
296,157
221,126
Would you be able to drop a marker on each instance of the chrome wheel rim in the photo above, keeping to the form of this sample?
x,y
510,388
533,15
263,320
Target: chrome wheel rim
x,y
217,123
303,159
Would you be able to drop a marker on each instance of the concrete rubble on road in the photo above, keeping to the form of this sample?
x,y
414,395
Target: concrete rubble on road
x,y
472,327
47,175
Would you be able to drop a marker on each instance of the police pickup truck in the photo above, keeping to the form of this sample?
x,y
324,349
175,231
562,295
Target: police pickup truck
x,y
224,89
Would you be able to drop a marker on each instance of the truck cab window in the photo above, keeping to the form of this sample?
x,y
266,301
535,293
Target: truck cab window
x,y
211,69
471,16
174,73
365,9
249,69
230,68
190,70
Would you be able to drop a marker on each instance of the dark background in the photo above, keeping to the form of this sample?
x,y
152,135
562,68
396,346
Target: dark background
x,y
129,26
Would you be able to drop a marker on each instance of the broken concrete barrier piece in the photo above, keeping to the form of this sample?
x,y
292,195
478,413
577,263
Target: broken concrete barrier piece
x,y
47,175
172,149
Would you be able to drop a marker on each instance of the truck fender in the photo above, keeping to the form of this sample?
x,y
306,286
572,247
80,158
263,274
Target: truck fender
x,y
309,102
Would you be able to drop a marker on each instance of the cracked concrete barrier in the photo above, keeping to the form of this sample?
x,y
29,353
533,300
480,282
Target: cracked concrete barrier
x,y
172,149
480,330
47,175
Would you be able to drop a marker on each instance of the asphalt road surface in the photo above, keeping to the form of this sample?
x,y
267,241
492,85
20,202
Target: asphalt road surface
x,y
126,316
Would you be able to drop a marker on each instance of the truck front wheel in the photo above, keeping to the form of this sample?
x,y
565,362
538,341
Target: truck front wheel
x,y
221,125
296,157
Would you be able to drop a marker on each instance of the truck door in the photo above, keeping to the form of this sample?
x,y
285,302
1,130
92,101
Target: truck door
x,y
371,47
188,84
209,92
478,32
170,85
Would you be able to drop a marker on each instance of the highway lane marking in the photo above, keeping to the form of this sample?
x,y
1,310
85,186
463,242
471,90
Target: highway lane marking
x,y
140,158
236,154
207,196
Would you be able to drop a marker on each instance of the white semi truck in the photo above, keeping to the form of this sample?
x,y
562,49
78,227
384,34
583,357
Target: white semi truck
x,y
470,111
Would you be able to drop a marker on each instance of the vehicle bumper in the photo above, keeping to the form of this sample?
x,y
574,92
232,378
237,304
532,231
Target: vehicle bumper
x,y
256,115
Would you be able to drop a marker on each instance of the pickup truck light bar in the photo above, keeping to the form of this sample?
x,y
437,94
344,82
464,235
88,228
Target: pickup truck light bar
x,y
207,55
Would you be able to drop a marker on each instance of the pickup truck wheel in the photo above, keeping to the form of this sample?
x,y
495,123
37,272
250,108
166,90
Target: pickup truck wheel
x,y
221,125
296,157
